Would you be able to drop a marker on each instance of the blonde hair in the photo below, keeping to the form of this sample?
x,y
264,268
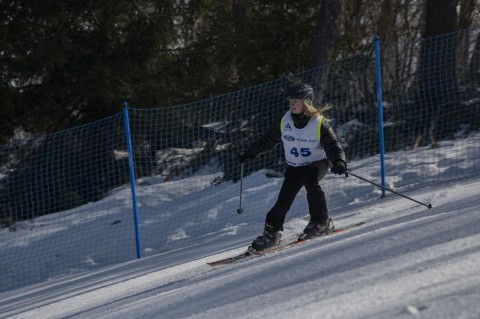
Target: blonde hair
x,y
312,111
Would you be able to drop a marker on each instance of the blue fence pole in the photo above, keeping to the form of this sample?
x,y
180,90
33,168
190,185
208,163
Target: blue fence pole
x,y
380,112
132,177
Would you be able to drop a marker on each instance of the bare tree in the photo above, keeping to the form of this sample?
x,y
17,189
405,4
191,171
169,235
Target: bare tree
x,y
468,16
323,42
436,75
474,67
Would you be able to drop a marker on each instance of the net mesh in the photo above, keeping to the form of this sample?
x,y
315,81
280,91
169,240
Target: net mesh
x,y
66,202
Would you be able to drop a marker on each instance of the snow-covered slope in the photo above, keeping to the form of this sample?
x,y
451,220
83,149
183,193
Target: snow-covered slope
x,y
407,261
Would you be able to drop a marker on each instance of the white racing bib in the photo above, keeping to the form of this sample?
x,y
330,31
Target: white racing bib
x,y
302,146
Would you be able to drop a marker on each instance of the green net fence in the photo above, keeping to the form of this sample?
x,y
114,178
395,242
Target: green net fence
x,y
66,200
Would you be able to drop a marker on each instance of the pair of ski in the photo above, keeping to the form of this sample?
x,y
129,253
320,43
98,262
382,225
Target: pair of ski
x,y
285,243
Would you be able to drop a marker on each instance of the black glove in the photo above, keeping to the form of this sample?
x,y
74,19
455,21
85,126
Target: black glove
x,y
245,156
340,167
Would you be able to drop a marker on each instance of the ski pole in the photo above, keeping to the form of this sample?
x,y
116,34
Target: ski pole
x,y
240,210
366,180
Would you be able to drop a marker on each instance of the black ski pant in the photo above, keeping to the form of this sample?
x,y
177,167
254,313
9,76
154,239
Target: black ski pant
x,y
295,179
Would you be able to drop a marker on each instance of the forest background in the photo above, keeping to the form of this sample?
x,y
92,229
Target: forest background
x,y
65,63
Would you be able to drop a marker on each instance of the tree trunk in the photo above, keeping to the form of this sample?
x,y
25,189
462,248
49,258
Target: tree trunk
x,y
323,42
436,75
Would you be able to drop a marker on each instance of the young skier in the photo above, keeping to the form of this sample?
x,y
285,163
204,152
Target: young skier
x,y
309,143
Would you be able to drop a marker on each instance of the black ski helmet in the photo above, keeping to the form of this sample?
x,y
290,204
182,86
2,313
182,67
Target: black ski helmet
x,y
299,91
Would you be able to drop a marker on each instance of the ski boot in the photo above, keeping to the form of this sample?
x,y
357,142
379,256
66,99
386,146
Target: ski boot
x,y
314,229
269,238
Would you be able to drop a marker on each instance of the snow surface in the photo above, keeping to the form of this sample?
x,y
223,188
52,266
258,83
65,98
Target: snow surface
x,y
407,261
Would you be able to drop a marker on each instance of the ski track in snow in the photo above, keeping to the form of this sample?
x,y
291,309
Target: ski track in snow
x,y
407,261
424,258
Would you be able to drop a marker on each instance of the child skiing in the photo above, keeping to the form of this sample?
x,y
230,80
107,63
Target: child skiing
x,y
309,143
